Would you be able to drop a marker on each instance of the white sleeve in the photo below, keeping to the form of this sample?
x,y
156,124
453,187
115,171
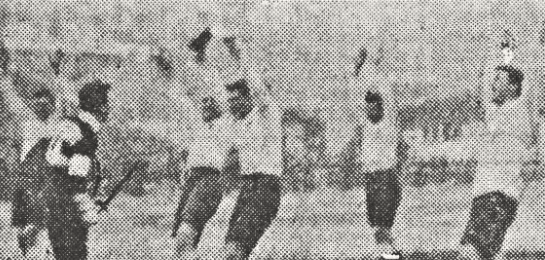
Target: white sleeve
x,y
271,132
79,165
66,131
180,127
254,79
275,140
193,122
228,134
16,105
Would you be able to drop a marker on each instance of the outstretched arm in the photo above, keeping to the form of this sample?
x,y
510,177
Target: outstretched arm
x,y
16,104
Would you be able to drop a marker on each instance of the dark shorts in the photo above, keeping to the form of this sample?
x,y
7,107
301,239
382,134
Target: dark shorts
x,y
383,196
256,208
491,215
200,199
66,226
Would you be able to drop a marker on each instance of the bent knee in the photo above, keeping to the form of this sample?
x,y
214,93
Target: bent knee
x,y
187,236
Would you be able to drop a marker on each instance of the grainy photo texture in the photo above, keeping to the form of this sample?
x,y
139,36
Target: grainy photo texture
x,y
272,129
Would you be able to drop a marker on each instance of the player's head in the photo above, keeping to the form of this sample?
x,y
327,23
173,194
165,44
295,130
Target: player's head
x,y
239,99
375,108
43,103
93,98
210,109
507,84
198,45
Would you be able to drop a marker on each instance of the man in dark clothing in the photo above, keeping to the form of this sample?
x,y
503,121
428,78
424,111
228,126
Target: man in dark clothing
x,y
72,153
65,162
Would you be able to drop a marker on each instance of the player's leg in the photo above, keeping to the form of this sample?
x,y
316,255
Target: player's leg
x,y
67,229
28,212
256,208
193,176
383,198
491,216
202,203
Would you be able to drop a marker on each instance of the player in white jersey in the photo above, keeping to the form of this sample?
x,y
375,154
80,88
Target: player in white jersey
x,y
34,114
202,191
498,183
207,149
256,133
253,128
382,150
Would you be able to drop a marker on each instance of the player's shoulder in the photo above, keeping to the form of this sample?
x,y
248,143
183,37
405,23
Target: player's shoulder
x,y
226,121
68,129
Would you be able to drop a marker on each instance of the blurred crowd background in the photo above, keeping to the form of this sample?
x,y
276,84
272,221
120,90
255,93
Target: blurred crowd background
x,y
436,55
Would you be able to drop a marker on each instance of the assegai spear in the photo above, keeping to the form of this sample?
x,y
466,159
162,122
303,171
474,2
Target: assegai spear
x,y
104,204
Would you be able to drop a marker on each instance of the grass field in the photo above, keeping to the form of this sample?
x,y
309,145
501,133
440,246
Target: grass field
x,y
325,224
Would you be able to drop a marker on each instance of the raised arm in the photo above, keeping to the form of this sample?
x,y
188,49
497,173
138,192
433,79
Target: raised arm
x,y
16,104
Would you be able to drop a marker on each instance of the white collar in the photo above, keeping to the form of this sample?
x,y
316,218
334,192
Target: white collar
x,y
91,120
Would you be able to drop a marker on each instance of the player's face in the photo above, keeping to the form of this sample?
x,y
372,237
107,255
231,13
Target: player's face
x,y
375,112
103,113
43,109
239,105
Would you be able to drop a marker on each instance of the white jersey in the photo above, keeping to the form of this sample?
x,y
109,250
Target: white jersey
x,y
378,149
258,139
504,150
207,147
205,141
379,146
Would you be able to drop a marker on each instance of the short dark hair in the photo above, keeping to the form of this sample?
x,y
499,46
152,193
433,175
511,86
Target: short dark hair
x,y
199,44
93,95
210,104
240,85
514,75
373,98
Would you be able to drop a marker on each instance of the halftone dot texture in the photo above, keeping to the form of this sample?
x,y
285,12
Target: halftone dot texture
x,y
435,59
